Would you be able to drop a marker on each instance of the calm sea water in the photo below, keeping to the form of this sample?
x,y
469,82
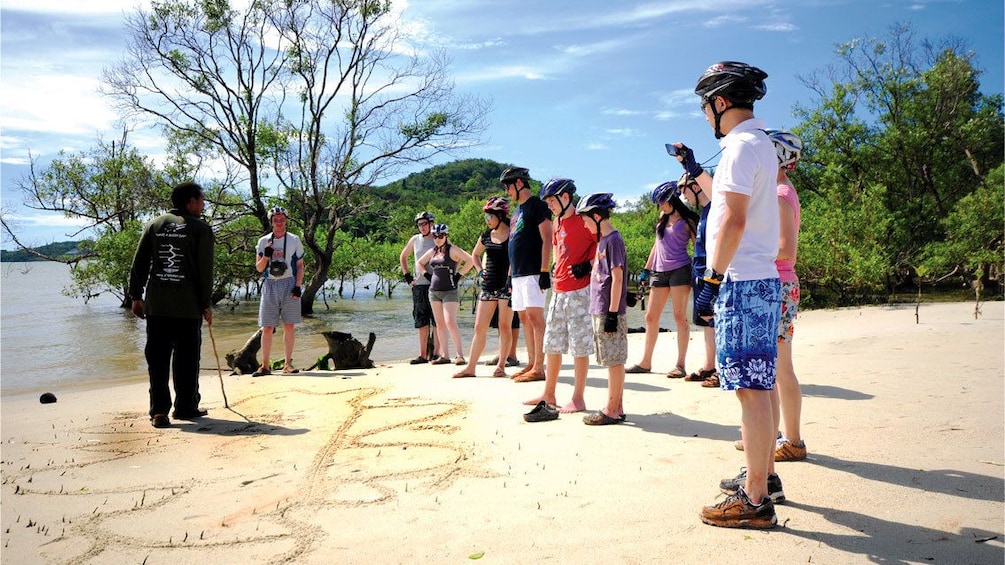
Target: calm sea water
x,y
51,342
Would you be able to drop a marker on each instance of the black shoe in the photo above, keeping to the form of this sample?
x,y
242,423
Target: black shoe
x,y
541,413
160,421
418,361
189,414
775,492
511,362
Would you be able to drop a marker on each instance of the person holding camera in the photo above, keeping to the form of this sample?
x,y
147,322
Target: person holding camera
x,y
281,260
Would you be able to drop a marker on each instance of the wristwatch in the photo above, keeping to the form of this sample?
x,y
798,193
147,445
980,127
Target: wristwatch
x,y
712,276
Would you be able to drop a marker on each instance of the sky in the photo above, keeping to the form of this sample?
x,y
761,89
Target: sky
x,y
584,89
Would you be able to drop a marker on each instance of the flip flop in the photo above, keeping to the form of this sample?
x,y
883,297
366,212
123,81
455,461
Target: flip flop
x,y
598,418
676,373
463,375
543,412
499,373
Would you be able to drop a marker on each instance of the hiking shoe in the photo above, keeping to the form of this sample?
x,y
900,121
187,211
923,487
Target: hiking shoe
x,y
262,372
160,421
785,450
737,511
189,414
510,362
418,361
775,492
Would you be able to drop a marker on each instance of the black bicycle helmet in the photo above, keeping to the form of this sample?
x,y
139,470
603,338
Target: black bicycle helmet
x,y
738,82
513,173
428,216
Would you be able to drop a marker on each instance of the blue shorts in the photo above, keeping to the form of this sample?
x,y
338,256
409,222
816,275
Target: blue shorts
x,y
747,314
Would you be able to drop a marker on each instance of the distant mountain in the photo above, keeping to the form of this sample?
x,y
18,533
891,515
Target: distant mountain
x,y
444,187
62,249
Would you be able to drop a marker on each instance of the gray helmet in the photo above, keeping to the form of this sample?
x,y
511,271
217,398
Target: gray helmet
x,y
595,201
788,146
428,216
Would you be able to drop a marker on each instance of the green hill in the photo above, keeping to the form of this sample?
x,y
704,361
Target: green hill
x,y
62,249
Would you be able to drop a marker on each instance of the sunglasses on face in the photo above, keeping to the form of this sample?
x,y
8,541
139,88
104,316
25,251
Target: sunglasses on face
x,y
440,236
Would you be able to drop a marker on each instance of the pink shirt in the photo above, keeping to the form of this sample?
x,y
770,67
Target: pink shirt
x,y
787,269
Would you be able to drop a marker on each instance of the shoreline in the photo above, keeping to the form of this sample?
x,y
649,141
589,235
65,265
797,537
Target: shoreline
x,y
903,421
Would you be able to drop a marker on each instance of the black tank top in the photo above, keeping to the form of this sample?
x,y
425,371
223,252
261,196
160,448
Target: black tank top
x,y
443,268
496,267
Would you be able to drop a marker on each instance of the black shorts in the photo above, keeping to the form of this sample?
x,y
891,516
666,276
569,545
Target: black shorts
x,y
681,276
422,312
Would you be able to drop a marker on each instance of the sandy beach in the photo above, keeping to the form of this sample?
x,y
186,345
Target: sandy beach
x,y
401,464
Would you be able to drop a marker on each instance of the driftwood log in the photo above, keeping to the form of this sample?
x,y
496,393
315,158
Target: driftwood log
x,y
345,352
244,361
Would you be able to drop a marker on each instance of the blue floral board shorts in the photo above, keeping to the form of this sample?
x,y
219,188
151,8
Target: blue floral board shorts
x,y
747,315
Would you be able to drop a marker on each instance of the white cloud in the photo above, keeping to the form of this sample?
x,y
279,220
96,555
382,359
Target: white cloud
x,y
779,26
723,21
625,132
74,7
502,73
49,221
585,50
622,112
595,146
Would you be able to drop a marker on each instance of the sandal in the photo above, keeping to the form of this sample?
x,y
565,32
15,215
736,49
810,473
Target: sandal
x,y
598,418
700,376
463,375
711,381
290,370
677,373
499,373
638,369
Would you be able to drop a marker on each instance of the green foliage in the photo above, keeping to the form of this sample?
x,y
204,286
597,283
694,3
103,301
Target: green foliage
x,y
974,237
108,269
636,222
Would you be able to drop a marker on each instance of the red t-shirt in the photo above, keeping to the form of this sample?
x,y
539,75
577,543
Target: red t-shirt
x,y
573,244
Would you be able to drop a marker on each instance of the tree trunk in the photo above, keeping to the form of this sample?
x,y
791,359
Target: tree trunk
x,y
346,352
244,361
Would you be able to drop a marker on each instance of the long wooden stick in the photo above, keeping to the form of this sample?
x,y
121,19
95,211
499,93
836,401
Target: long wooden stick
x,y
219,371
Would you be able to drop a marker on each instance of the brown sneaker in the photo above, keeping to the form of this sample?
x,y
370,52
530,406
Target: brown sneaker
x,y
788,451
738,512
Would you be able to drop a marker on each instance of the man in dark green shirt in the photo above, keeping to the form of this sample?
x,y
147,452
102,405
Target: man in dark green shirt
x,y
174,263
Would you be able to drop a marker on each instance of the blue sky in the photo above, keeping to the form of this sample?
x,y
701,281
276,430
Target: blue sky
x,y
585,89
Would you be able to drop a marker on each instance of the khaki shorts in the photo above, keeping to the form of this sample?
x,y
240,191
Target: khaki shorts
x,y
612,349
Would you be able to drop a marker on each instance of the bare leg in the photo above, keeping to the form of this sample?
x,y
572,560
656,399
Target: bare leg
x,y
709,348
450,318
758,440
616,391
790,393
482,318
441,329
552,367
535,336
289,337
679,297
578,404
657,301
516,338
266,344
507,338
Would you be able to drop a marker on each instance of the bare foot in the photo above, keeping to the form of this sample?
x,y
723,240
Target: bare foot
x,y
534,401
573,407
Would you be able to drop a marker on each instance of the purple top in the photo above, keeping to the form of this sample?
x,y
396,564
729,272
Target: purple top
x,y
611,253
671,249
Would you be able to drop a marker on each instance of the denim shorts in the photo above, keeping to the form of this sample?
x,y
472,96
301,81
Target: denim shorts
x,y
747,314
